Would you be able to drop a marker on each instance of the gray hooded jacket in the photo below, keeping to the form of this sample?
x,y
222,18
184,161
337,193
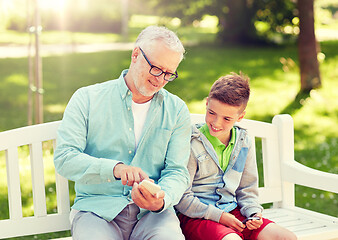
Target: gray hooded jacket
x,y
213,191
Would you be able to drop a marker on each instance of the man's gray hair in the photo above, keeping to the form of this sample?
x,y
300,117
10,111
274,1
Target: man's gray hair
x,y
156,33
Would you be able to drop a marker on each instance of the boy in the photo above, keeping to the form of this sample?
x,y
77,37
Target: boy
x,y
222,166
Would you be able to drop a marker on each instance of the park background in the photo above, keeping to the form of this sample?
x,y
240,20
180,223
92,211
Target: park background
x,y
86,42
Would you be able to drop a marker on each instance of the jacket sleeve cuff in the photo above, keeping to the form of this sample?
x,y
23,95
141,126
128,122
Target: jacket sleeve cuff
x,y
213,213
250,211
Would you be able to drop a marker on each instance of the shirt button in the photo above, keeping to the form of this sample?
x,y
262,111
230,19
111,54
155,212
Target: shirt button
x,y
109,180
129,152
128,108
128,93
130,129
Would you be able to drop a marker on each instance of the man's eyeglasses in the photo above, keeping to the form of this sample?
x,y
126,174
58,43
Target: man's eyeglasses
x,y
156,71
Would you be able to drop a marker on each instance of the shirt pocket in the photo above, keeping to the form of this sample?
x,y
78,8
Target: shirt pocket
x,y
206,165
156,145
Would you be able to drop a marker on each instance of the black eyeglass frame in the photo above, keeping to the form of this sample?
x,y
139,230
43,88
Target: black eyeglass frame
x,y
175,75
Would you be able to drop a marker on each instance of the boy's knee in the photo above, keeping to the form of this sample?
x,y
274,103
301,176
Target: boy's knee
x,y
276,232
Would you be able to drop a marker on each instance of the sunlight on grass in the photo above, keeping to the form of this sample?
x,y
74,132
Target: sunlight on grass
x,y
17,79
197,106
58,37
141,21
55,108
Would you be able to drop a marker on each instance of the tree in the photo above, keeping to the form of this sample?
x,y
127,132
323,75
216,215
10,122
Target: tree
x,y
240,23
237,26
307,47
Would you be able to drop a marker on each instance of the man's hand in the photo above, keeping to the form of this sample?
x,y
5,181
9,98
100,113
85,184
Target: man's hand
x,y
144,199
129,174
254,224
229,220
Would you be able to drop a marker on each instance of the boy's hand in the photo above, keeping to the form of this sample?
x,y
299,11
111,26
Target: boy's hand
x,y
231,221
254,224
129,174
144,199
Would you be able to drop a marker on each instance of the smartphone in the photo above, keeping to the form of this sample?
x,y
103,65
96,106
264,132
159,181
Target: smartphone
x,y
250,218
150,186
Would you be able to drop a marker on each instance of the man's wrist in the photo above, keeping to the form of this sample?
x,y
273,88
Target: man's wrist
x,y
114,170
160,210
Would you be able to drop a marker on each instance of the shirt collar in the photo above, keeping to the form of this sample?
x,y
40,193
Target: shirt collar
x,y
124,90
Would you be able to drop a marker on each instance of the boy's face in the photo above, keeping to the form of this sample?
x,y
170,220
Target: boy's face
x,y
221,117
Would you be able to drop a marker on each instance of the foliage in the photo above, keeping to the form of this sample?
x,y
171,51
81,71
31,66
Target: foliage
x,y
239,21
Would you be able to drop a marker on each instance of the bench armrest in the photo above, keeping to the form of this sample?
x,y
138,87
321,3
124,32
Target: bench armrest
x,y
298,173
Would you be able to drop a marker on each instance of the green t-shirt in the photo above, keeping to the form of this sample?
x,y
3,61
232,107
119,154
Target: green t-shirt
x,y
222,152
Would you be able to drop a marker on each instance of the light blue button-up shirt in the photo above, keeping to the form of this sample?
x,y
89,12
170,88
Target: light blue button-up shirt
x,y
97,132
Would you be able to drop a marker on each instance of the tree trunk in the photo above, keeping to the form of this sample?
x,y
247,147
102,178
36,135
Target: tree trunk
x,y
309,67
237,26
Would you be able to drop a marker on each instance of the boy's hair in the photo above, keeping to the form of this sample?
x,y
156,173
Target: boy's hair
x,y
232,89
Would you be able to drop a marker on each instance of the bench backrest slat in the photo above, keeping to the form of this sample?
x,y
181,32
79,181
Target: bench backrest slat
x,y
38,180
62,194
13,183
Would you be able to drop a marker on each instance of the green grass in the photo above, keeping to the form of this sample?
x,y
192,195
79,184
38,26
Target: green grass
x,y
274,91
188,34
65,37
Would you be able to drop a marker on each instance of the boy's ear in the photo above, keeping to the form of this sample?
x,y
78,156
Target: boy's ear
x,y
241,116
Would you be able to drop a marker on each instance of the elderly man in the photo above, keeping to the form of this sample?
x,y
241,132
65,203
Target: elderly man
x,y
115,134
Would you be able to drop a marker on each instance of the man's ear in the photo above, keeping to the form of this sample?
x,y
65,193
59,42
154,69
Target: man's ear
x,y
241,116
134,54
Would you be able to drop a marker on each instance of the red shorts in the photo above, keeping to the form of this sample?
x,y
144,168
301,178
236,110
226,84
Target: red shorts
x,y
197,228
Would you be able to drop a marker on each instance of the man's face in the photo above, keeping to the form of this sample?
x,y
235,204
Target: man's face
x,y
221,117
159,56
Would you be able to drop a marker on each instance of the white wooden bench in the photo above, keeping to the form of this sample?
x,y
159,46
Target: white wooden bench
x,y
281,173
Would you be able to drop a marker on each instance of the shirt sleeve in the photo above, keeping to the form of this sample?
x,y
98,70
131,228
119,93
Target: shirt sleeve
x,y
174,177
190,205
69,157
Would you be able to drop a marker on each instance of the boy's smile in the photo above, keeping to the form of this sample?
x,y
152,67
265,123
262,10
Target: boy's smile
x,y
221,117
